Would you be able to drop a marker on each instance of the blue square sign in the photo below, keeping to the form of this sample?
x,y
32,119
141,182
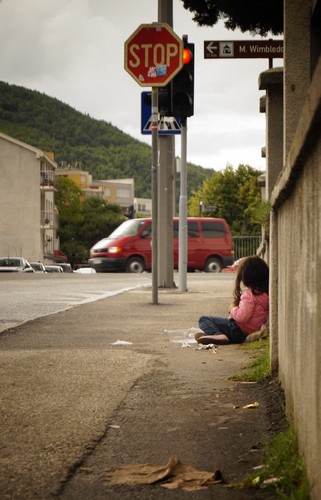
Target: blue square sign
x,y
167,125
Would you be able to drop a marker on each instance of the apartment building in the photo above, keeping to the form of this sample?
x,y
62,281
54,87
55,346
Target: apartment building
x,y
118,191
28,218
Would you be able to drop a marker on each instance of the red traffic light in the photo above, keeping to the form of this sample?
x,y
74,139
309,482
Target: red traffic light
x,y
187,56
183,85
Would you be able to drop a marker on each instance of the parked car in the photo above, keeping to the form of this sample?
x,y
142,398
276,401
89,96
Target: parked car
x,y
234,267
85,270
129,249
53,269
38,267
66,267
15,264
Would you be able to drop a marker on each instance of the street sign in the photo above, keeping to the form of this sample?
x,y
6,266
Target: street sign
x,y
208,208
221,49
153,54
167,125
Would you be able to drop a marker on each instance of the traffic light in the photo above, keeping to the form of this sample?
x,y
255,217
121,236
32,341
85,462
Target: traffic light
x,y
183,85
164,100
130,212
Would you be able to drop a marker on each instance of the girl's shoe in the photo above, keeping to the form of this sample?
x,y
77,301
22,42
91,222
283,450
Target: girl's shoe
x,y
204,339
198,335
212,339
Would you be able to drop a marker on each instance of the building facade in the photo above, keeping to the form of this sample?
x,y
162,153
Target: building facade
x,y
28,218
118,191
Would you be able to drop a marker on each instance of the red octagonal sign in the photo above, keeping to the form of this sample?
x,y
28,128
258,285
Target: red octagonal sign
x,y
153,54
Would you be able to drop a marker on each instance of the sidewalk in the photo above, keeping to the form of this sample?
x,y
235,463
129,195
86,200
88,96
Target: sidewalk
x,y
155,399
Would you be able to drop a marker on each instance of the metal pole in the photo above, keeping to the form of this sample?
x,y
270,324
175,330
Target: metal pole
x,y
182,228
165,12
154,195
166,191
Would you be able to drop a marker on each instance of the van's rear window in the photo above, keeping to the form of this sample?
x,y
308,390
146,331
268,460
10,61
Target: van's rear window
x,y
212,229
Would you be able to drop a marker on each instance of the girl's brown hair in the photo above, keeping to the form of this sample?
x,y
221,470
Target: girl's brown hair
x,y
253,272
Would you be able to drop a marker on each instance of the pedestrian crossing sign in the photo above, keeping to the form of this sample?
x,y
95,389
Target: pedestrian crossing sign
x,y
167,125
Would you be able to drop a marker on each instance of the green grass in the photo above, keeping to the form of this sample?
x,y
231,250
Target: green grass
x,y
283,471
259,369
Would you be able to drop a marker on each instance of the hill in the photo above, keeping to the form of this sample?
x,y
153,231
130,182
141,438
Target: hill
x,y
98,146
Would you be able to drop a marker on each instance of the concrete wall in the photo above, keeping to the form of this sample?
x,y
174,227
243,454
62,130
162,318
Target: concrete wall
x,y
295,237
23,202
272,81
19,202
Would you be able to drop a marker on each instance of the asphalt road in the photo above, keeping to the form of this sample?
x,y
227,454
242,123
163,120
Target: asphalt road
x,y
24,297
28,296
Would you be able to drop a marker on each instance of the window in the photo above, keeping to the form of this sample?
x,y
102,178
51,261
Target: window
x,y
123,192
128,228
175,229
147,230
212,229
192,229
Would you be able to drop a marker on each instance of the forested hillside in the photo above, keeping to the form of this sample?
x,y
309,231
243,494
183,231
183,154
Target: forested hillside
x,y
102,149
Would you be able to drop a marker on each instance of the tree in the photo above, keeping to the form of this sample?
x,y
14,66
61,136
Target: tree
x,y
236,196
100,219
82,222
68,201
256,16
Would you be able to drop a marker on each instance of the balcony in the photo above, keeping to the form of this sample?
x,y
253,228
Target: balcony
x,y
49,220
47,180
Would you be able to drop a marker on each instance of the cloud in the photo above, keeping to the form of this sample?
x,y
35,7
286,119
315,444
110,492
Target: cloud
x,y
74,50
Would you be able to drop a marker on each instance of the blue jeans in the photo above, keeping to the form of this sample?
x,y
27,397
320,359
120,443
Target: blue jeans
x,y
212,325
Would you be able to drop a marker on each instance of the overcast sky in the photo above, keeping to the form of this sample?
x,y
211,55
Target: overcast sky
x,y
74,50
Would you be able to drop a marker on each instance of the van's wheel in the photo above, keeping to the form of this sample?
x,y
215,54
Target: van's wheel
x,y
135,265
213,265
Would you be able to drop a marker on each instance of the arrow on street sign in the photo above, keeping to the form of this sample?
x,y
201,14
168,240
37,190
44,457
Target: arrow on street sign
x,y
231,49
212,48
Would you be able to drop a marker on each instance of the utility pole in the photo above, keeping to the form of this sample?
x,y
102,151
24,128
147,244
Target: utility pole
x,y
143,67
183,106
166,185
182,228
154,174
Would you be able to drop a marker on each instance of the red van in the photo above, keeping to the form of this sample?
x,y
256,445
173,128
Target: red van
x,y
129,249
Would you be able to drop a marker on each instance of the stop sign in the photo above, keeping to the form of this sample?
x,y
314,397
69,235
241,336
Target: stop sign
x,y
153,54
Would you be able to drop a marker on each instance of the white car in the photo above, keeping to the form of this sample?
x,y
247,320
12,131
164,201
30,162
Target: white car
x,y
85,270
38,267
66,267
53,269
15,264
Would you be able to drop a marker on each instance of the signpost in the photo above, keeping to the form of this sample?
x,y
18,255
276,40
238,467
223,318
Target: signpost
x,y
221,49
153,56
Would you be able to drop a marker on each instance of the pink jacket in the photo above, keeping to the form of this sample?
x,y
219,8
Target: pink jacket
x,y
252,311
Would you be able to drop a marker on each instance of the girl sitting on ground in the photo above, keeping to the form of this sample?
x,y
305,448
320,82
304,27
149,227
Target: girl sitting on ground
x,y
249,311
